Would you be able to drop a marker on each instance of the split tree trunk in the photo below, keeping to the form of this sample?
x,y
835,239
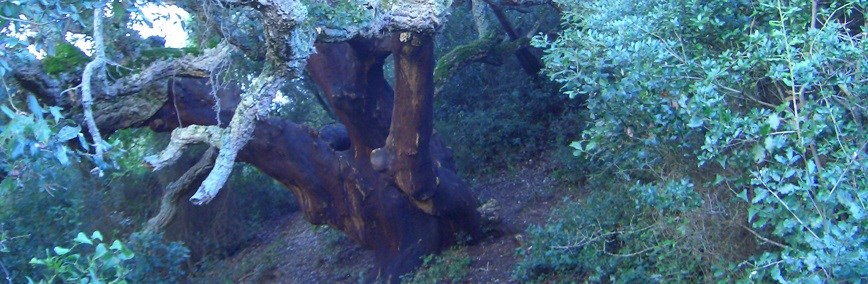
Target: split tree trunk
x,y
404,201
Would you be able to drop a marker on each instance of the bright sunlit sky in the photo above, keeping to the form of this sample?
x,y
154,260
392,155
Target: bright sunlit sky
x,y
167,23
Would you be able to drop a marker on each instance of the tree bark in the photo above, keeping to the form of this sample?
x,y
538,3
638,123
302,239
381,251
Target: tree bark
x,y
405,206
177,190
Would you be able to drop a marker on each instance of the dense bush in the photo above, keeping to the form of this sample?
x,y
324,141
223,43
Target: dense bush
x,y
87,260
156,261
756,109
498,117
44,200
449,267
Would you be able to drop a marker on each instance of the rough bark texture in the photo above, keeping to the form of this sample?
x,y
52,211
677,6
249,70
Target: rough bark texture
x,y
404,207
178,189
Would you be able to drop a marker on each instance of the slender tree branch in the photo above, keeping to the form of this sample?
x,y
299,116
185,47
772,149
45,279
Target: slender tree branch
x,y
763,238
94,66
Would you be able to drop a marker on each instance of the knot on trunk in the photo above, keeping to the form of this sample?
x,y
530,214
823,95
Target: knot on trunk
x,y
382,160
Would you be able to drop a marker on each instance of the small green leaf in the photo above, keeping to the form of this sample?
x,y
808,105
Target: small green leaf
x,y
61,250
743,195
770,143
758,153
61,156
83,239
96,235
7,111
83,142
100,251
751,211
36,261
695,122
774,121
18,150
67,133
116,245
576,145
34,106
55,112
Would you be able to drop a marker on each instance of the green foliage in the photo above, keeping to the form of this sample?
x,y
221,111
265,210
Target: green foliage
x,y
496,117
66,58
31,135
755,99
626,235
339,15
157,261
449,267
78,264
40,24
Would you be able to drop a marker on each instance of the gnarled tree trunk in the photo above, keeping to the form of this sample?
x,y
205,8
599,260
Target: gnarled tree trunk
x,y
394,189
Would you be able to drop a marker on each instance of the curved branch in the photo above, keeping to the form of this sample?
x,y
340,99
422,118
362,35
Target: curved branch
x,y
179,188
252,106
530,63
94,66
188,65
181,138
489,50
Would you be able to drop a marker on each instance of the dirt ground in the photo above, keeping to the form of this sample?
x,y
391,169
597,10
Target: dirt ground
x,y
297,252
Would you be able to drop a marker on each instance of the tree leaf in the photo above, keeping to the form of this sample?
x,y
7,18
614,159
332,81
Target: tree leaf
x,y
774,121
743,195
100,251
61,156
82,238
18,150
96,235
116,245
67,133
61,250
7,111
695,122
55,113
34,107
83,142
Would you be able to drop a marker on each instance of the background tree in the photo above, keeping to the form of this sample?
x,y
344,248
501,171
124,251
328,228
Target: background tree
x,y
726,140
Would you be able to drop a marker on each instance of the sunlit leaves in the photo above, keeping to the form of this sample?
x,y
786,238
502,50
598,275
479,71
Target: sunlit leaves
x,y
747,91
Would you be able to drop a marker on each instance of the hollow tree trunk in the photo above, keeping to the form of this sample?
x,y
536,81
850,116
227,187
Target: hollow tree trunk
x,y
404,201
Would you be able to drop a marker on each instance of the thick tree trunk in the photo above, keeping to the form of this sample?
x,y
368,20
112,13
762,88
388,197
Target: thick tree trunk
x,y
404,201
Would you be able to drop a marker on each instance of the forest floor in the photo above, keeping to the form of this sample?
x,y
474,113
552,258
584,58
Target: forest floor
x,y
295,251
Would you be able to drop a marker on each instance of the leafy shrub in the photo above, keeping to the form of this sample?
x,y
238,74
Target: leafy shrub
x,y
497,117
157,261
75,265
448,267
760,100
623,236
36,206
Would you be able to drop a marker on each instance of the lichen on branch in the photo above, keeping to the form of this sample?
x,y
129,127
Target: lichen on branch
x,y
253,105
92,70
181,138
